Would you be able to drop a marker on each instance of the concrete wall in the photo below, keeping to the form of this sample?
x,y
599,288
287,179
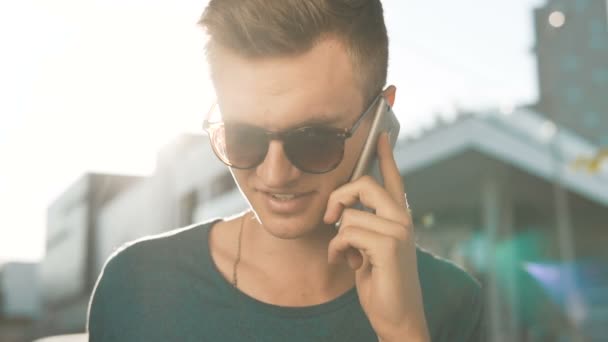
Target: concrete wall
x,y
63,269
19,291
186,176
71,223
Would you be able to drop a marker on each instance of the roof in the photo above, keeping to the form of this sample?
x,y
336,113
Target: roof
x,y
523,139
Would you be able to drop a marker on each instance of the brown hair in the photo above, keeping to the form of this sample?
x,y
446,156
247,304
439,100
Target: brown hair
x,y
268,28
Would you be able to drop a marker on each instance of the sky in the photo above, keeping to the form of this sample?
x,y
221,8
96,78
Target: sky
x,y
100,85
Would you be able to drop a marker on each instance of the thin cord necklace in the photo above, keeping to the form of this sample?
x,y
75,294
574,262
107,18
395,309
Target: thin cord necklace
x,y
238,254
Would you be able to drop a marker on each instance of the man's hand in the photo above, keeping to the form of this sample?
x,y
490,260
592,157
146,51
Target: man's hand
x,y
386,268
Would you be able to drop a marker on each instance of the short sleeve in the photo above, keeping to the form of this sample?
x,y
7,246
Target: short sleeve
x,y
477,332
117,307
104,313
468,324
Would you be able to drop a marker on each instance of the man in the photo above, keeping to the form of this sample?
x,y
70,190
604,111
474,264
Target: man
x,y
294,80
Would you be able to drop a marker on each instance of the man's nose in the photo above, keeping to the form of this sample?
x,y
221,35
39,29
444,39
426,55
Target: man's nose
x,y
276,170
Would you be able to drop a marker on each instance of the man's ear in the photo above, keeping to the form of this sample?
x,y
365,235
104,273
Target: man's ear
x,y
389,94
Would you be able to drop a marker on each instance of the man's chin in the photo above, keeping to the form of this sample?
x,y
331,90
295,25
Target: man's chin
x,y
290,226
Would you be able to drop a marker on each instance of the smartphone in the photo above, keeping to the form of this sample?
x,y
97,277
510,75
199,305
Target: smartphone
x,y
384,120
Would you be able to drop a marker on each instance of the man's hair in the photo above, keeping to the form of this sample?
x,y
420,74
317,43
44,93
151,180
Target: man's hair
x,y
273,28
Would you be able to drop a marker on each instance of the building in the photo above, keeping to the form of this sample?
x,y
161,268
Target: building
x,y
500,195
19,300
66,275
572,57
480,188
182,190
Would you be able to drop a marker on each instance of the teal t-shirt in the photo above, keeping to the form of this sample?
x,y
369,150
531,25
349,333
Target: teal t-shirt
x,y
167,288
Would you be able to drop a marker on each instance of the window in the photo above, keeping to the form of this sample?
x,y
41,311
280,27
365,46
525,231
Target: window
x,y
569,63
574,95
597,42
596,27
581,5
599,76
591,119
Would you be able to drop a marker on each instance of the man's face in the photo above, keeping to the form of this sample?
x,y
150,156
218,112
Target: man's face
x,y
278,94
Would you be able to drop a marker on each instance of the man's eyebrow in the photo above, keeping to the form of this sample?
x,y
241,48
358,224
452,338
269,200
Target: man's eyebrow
x,y
315,120
320,120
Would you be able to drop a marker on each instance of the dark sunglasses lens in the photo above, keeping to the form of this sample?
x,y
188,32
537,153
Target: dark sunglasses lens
x,y
243,146
314,149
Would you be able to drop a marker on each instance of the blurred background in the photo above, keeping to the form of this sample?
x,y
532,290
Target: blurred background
x,y
504,150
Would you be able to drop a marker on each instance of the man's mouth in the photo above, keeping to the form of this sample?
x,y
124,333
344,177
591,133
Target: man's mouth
x,y
287,203
284,197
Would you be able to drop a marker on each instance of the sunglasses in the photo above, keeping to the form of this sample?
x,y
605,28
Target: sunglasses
x,y
314,149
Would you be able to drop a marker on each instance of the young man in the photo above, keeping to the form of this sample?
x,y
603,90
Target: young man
x,y
291,78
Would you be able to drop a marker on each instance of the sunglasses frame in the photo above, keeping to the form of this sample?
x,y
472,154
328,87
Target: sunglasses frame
x,y
211,127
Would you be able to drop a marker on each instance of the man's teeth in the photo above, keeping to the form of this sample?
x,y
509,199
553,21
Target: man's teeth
x,y
284,197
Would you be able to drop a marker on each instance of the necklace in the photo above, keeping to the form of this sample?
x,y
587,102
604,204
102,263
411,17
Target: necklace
x,y
238,254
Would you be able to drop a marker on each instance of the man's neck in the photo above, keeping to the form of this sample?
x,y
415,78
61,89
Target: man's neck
x,y
295,272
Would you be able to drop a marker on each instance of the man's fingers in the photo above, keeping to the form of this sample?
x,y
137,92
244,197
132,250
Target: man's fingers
x,y
367,191
354,217
369,243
